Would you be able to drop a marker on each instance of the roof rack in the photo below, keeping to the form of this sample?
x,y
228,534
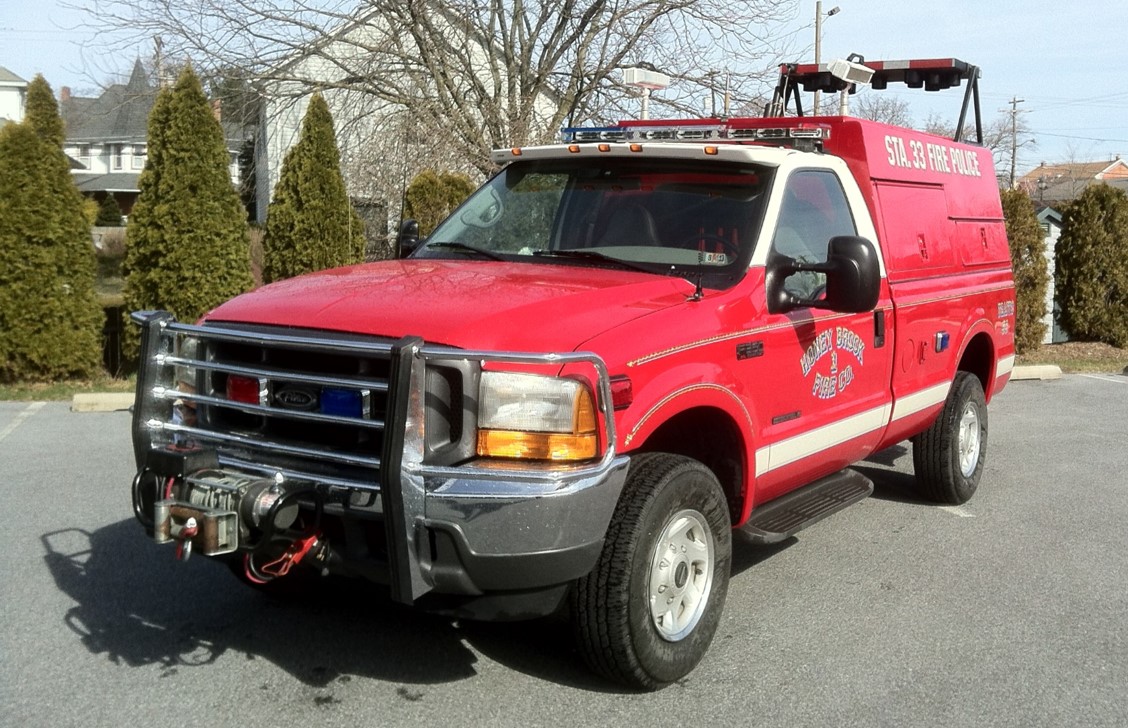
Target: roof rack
x,y
932,74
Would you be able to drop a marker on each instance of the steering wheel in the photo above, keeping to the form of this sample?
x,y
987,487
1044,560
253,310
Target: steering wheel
x,y
727,245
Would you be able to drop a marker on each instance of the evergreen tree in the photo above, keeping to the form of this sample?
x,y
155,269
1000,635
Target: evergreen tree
x,y
43,112
1092,266
432,196
145,233
187,248
310,224
1031,274
50,321
109,212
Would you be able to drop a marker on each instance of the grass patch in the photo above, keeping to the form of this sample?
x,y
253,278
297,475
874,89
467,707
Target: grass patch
x,y
1079,357
63,391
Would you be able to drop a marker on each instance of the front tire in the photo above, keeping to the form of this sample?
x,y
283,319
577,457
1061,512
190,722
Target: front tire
x,y
948,457
647,612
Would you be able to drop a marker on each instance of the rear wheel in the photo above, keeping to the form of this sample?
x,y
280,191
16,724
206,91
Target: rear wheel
x,y
647,612
948,457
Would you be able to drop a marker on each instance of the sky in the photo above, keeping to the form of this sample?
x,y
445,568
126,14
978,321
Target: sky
x,y
1067,61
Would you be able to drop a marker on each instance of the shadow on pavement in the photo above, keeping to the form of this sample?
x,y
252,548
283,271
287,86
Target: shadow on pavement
x,y
139,607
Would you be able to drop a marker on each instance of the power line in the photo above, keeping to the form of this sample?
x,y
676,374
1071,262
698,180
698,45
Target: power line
x,y
40,32
1082,138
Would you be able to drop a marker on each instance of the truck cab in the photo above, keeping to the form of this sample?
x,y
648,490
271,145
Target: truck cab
x,y
618,350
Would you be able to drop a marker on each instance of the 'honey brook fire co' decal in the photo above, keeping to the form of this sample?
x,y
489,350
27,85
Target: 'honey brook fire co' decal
x,y
829,344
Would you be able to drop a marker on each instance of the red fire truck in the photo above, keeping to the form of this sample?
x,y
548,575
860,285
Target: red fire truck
x,y
619,349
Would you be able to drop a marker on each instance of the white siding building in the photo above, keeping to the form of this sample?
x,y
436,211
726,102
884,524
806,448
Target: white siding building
x,y
13,97
107,136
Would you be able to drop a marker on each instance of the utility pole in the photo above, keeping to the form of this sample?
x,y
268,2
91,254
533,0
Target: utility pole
x,y
818,43
1014,102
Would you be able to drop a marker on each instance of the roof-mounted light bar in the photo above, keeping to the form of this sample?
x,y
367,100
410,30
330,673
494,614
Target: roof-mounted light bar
x,y
691,132
593,134
780,134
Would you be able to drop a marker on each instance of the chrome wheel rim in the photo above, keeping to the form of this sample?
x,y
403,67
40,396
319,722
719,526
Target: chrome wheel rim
x,y
681,575
969,439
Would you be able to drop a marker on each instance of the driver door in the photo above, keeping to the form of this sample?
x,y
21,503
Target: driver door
x,y
827,403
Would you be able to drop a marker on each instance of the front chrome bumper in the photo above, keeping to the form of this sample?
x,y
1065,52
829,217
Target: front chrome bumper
x,y
467,529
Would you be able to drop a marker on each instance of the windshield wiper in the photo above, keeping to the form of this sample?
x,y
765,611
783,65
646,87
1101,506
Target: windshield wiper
x,y
592,255
463,247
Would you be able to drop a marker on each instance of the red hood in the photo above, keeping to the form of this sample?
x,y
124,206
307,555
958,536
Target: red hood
x,y
469,304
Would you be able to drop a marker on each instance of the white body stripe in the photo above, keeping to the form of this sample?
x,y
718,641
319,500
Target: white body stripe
x,y
785,452
912,403
762,460
828,436
1004,366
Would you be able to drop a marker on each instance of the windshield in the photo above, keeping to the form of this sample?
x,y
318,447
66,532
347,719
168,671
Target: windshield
x,y
678,217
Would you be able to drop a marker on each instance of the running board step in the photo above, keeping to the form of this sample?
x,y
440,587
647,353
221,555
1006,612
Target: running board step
x,y
786,516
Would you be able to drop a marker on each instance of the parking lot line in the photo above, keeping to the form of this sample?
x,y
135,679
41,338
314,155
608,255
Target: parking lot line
x,y
27,412
958,511
1108,378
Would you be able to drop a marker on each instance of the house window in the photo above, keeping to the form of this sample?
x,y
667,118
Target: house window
x,y
117,153
138,156
84,151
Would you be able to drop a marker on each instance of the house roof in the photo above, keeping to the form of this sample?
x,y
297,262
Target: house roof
x,y
1074,170
121,113
1049,214
9,78
113,182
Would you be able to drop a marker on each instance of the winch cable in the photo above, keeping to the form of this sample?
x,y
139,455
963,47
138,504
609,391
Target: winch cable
x,y
297,545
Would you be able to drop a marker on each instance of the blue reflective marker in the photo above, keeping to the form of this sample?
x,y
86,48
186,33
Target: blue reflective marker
x,y
342,402
941,341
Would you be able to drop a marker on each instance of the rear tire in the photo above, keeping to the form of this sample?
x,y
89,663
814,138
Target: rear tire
x,y
647,612
948,457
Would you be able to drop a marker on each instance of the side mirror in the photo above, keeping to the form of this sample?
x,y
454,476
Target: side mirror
x,y
853,282
407,240
853,278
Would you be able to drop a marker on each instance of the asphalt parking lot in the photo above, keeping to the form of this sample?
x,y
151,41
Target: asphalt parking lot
x,y
1011,610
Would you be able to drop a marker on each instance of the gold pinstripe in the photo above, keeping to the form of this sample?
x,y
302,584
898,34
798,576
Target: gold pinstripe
x,y
735,335
686,390
952,296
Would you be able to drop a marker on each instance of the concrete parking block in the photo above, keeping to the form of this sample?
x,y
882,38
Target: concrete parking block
x,y
1037,371
102,402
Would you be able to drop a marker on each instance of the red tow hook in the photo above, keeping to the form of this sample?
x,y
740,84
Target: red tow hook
x,y
184,539
292,556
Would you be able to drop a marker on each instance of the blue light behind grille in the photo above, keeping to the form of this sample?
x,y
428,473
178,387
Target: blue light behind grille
x,y
342,402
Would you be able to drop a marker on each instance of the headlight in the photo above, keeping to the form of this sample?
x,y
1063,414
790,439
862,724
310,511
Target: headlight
x,y
186,347
535,417
184,411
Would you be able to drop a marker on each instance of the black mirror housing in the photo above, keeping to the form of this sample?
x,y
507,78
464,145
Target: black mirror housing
x,y
407,240
853,278
853,281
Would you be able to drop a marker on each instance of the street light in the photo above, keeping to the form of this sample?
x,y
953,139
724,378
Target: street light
x,y
818,42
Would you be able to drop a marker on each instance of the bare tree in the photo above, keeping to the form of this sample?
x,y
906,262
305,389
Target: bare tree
x,y
483,73
998,136
878,106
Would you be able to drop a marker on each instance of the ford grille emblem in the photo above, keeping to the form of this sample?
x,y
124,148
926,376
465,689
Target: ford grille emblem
x,y
296,398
